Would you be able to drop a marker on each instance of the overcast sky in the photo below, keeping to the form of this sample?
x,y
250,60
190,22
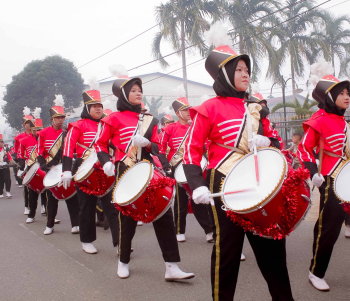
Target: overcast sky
x,y
81,30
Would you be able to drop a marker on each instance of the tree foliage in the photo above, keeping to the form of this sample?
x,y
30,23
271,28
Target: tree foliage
x,y
36,86
301,111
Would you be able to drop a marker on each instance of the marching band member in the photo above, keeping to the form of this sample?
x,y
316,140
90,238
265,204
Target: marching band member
x,y
5,179
174,137
49,151
15,169
229,124
27,156
80,138
27,132
120,129
328,128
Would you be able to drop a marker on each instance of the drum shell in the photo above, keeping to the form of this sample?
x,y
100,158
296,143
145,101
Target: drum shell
x,y
92,178
36,182
164,196
271,213
62,194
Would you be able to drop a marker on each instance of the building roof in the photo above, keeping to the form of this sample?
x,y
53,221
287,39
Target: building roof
x,y
160,74
271,102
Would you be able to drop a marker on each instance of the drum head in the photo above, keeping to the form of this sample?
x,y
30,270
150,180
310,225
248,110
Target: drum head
x,y
85,167
53,177
30,173
341,183
179,173
133,183
272,170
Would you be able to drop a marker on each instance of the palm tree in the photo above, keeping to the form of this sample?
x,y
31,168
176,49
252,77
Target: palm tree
x,y
333,39
248,35
293,40
182,22
300,111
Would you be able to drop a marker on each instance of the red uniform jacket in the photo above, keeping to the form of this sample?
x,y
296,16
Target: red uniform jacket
x,y
17,139
332,130
81,136
6,156
46,139
221,120
173,135
117,131
27,146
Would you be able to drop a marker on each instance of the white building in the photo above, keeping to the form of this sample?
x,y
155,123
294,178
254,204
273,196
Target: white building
x,y
159,84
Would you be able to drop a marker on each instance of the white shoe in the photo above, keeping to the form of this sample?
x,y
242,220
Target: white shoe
x,y
210,237
30,220
75,230
43,210
173,272
242,257
180,237
8,195
20,186
16,183
1,196
48,231
318,283
123,270
57,221
26,210
347,231
139,223
89,248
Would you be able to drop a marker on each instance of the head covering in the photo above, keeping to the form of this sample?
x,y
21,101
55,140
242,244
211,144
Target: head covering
x,y
90,98
258,98
1,138
121,88
221,65
326,93
106,113
58,109
166,119
27,118
180,104
31,123
38,124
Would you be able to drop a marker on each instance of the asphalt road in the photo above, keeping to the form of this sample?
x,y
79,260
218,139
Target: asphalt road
x,y
34,266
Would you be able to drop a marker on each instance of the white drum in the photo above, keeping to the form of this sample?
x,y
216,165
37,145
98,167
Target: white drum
x,y
22,173
341,183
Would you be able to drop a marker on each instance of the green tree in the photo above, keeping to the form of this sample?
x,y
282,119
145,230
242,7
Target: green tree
x,y
38,83
293,39
154,105
182,23
301,111
248,34
333,38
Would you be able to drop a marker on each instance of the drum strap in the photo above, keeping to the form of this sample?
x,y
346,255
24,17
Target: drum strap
x,y
249,123
178,155
333,155
230,148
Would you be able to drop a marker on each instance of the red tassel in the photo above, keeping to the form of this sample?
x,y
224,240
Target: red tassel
x,y
189,208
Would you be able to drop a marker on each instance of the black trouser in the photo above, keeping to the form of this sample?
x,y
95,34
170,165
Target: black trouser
x,y
87,219
18,179
26,196
5,180
52,206
33,201
163,227
327,228
200,212
347,220
270,254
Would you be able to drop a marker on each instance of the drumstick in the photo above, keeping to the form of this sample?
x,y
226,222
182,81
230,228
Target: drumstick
x,y
320,157
256,165
214,195
139,148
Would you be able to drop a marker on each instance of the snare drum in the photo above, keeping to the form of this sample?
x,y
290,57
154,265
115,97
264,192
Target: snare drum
x,y
342,187
180,176
52,182
91,178
34,178
144,193
272,210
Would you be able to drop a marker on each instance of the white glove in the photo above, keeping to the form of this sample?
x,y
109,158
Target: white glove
x,y
317,162
317,180
259,141
108,168
140,141
201,196
66,178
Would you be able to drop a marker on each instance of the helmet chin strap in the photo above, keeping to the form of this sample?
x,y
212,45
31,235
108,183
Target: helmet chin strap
x,y
227,78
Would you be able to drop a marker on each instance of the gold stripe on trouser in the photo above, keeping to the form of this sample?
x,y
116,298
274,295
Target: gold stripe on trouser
x,y
217,242
320,224
120,233
178,209
99,209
